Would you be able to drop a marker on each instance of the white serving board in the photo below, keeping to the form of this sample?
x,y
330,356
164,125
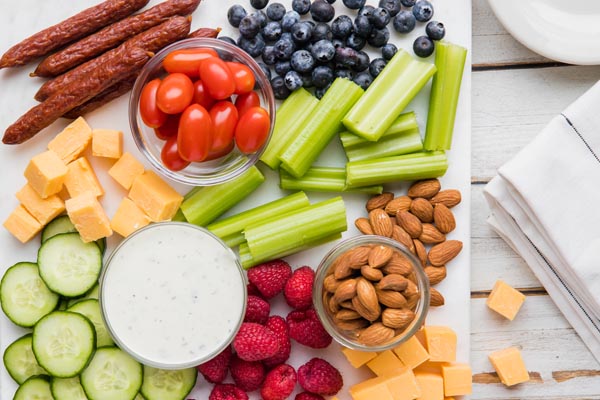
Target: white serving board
x,y
22,18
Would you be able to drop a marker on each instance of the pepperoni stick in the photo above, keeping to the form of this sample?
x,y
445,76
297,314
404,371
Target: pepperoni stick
x,y
69,30
205,33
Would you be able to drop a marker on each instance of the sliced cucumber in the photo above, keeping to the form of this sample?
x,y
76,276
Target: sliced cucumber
x,y
63,304
90,308
112,375
139,397
24,296
160,384
101,245
35,388
20,361
60,224
91,294
63,343
67,389
69,266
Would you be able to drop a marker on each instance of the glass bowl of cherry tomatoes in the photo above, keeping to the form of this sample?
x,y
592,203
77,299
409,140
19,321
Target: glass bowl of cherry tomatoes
x,y
202,111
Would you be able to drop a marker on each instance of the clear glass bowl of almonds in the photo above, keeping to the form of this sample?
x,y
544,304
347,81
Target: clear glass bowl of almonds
x,y
371,293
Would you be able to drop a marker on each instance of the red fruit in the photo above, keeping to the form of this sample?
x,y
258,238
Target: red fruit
x,y
247,375
257,310
279,383
215,370
308,396
280,328
227,391
318,376
306,329
298,289
254,342
270,277
252,290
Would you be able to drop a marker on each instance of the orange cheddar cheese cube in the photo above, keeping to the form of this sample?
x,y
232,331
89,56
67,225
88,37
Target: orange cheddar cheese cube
x,y
505,300
72,141
440,342
458,379
63,194
22,225
125,170
385,364
128,218
44,210
88,216
81,178
107,143
46,173
403,385
412,353
509,365
431,385
371,389
155,197
358,358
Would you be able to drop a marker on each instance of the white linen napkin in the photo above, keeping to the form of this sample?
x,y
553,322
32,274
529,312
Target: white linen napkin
x,y
545,203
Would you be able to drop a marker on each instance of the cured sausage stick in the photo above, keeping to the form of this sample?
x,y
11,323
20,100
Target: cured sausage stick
x,y
205,33
112,36
69,30
152,40
87,86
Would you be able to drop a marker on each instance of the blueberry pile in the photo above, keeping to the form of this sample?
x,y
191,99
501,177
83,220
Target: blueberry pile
x,y
311,53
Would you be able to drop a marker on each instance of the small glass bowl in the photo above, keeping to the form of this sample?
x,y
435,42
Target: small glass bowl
x,y
350,337
209,172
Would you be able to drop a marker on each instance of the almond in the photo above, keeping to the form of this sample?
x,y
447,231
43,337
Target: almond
x,y
435,298
422,208
397,318
401,203
443,218
435,274
398,264
345,291
449,198
391,298
380,222
402,237
364,226
379,201
421,251
410,223
330,303
376,334
368,304
330,283
347,304
392,282
352,325
341,267
358,256
379,256
442,253
431,235
426,188
347,315
411,290
372,274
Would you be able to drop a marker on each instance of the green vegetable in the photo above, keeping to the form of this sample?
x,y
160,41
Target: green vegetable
x,y
290,116
323,179
207,203
388,95
179,217
450,63
320,126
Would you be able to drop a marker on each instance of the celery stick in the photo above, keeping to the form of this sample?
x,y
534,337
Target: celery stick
x,y
323,179
290,116
450,62
230,229
207,203
390,92
421,165
179,217
389,145
405,122
320,126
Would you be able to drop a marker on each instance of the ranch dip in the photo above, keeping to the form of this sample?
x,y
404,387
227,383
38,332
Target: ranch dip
x,y
172,295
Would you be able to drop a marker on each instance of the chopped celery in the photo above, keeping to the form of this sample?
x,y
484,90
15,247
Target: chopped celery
x,y
320,126
413,166
400,81
405,122
323,179
290,116
230,229
179,217
207,203
389,145
450,63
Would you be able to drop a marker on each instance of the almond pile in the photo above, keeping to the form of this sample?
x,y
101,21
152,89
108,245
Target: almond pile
x,y
421,220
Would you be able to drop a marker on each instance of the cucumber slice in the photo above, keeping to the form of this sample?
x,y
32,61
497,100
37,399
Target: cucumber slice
x,y
24,296
69,266
63,343
35,388
101,245
112,375
63,304
67,389
91,294
90,308
161,384
60,224
20,361
139,397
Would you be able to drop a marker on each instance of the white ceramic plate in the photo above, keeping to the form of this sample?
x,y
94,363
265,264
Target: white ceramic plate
x,y
566,31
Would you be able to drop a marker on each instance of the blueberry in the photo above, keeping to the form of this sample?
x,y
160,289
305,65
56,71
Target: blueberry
x,y
323,51
301,32
341,27
268,55
337,43
235,15
388,51
408,3
362,62
280,91
275,11
423,10
249,26
284,48
343,73
404,22
380,18
321,11
301,6
354,4
261,17
253,46
364,80
265,69
346,57
379,37
376,66
320,92
322,76
393,6
283,67
259,4
307,46
362,26
321,31
228,40
292,81
330,1
435,30
356,42
302,61
287,36
367,11
423,46
289,19
307,80
272,31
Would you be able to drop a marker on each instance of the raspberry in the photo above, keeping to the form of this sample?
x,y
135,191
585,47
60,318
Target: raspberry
x,y
247,375
252,290
298,289
270,277
280,328
215,370
308,396
227,391
254,342
279,383
318,376
306,329
257,310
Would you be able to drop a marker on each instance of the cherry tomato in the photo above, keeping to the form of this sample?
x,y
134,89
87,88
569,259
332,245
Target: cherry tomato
x,y
175,93
252,130
245,101
224,117
149,111
170,155
201,96
187,61
242,76
217,78
213,155
169,128
195,133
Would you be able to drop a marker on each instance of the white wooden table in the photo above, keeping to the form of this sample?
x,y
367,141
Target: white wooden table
x,y
515,93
